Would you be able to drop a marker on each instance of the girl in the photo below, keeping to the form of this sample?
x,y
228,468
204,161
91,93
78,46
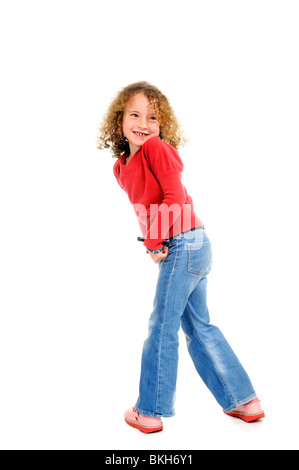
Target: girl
x,y
143,133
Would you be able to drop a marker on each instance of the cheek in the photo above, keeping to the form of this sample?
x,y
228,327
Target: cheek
x,y
156,130
126,126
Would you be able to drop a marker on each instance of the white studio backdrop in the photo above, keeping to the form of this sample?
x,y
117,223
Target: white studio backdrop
x,y
76,287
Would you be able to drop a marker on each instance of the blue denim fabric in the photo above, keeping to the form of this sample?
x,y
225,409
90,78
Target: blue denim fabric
x,y
180,300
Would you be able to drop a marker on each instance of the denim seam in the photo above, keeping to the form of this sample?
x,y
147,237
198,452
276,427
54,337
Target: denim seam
x,y
161,331
153,415
213,362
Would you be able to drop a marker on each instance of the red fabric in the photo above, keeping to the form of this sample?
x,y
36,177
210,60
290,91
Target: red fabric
x,y
152,181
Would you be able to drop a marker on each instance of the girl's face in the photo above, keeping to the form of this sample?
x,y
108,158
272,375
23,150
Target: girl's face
x,y
140,122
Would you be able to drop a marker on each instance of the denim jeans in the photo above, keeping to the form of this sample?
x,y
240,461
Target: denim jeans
x,y
180,300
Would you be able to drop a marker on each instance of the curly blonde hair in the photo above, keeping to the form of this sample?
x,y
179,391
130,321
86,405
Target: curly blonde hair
x,y
111,129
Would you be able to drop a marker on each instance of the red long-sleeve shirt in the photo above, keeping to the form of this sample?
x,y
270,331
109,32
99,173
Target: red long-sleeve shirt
x,y
152,181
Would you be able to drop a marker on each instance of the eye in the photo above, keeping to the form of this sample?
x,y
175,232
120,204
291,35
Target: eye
x,y
153,118
134,115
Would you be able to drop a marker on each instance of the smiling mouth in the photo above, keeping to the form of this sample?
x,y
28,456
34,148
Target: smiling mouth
x,y
141,134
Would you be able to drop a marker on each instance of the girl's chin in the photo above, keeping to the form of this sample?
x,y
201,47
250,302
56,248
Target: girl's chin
x,y
139,141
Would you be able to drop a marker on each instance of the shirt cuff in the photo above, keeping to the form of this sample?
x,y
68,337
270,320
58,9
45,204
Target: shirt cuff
x,y
155,251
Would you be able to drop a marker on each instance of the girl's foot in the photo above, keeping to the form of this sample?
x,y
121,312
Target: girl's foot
x,y
249,412
145,424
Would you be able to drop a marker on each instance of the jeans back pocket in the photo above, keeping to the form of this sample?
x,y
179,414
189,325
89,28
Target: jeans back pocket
x,y
199,257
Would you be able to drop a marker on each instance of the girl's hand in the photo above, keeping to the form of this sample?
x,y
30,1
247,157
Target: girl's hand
x,y
156,257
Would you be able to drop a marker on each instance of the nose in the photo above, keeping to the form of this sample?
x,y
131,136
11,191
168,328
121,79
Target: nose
x,y
142,123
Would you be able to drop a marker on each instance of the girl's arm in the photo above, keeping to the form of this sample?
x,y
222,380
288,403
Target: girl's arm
x,y
168,212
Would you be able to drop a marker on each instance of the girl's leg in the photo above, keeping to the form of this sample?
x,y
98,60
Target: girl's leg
x,y
160,351
213,357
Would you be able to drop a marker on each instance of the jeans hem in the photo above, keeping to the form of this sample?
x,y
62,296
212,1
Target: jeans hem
x,y
240,403
154,415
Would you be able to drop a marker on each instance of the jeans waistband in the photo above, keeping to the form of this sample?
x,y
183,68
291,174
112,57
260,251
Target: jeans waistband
x,y
180,235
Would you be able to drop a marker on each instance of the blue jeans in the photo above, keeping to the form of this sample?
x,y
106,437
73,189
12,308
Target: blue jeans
x,y
180,300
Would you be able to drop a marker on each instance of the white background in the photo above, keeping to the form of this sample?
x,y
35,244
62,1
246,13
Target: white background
x,y
76,287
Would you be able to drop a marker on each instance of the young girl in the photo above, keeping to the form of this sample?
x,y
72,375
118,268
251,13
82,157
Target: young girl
x,y
143,133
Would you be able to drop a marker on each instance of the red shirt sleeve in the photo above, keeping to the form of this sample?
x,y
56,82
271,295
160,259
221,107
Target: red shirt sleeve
x,y
165,215
116,170
166,166
162,157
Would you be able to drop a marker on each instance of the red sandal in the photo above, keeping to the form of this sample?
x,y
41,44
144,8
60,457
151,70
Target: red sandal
x,y
249,412
145,424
